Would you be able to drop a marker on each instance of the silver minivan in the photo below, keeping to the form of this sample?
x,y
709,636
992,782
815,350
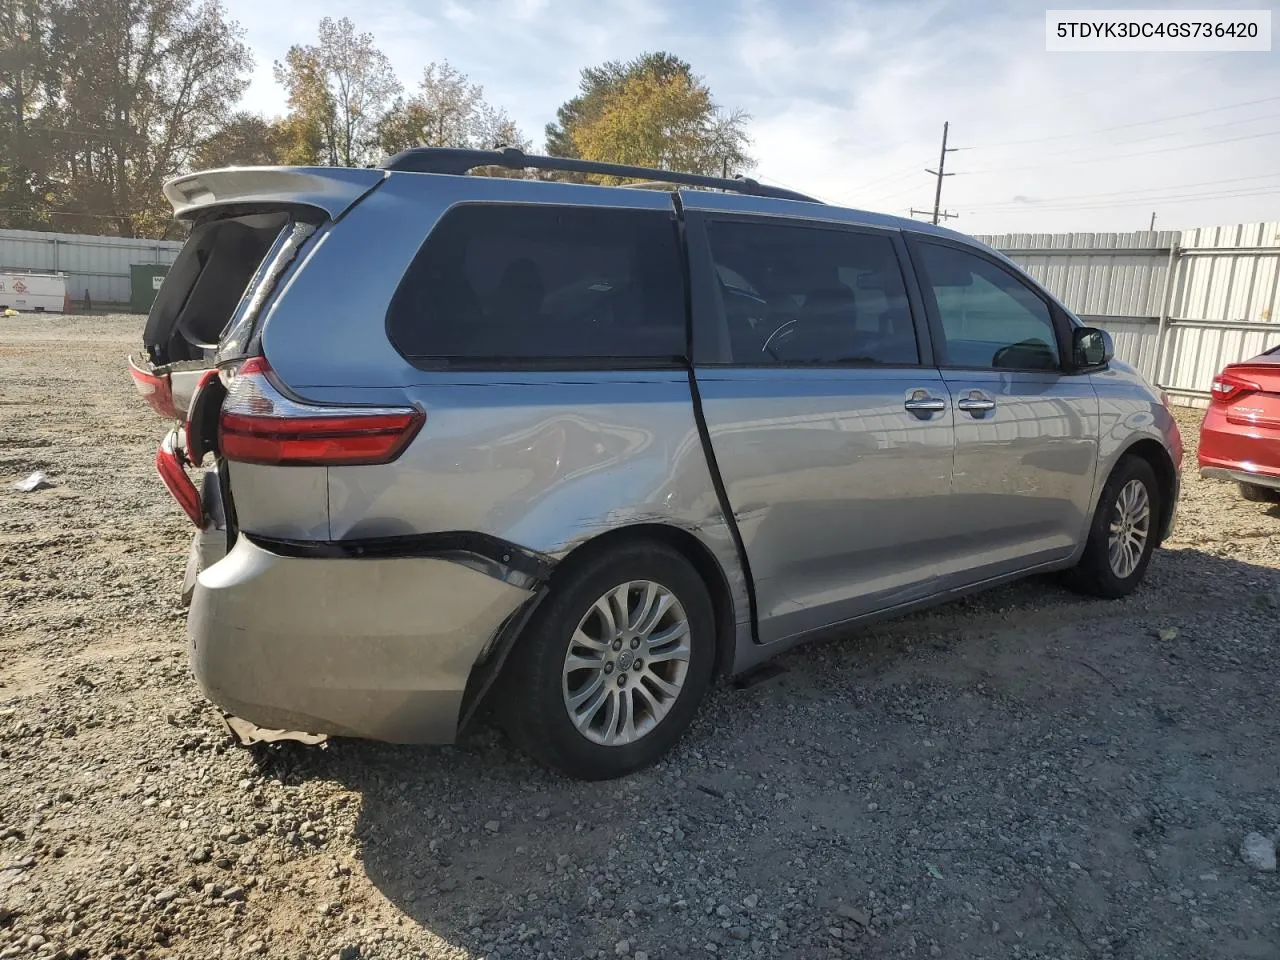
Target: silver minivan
x,y
573,451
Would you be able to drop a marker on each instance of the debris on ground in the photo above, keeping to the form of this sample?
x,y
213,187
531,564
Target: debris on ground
x,y
248,734
1259,852
35,481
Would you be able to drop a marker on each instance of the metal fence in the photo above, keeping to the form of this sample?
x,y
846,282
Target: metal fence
x,y
1180,305
99,265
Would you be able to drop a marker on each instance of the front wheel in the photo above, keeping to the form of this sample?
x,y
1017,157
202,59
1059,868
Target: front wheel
x,y
610,671
1123,533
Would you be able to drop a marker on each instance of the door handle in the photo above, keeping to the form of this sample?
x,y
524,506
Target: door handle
x,y
975,405
923,405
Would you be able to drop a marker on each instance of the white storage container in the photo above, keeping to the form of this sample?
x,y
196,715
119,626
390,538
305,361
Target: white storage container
x,y
33,292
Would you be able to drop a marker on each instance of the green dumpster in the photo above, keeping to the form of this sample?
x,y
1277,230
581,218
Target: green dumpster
x,y
144,283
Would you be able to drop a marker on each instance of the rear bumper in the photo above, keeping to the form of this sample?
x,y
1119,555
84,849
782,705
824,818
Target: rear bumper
x,y
1246,452
358,647
1270,481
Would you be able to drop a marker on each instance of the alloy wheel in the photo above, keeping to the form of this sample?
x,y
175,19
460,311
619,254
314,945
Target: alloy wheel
x,y
626,663
1130,528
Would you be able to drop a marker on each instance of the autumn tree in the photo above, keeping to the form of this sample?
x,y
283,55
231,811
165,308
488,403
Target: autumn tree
x,y
597,86
28,79
339,90
651,111
245,140
447,111
131,90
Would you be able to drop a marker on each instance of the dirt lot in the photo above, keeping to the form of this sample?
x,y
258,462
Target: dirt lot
x,y
1025,774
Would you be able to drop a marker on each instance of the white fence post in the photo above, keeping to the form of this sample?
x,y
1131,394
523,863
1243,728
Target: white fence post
x,y
1157,376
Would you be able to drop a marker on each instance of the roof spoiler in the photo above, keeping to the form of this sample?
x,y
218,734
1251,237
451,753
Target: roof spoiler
x,y
329,189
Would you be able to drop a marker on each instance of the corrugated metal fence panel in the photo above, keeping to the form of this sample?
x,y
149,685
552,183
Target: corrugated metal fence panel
x,y
97,264
1137,339
1238,287
1119,279
1226,306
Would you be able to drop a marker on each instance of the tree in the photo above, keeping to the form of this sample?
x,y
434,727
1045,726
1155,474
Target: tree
x,y
448,111
245,140
597,87
652,111
27,78
339,92
141,84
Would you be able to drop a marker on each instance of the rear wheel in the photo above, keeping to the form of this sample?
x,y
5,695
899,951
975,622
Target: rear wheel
x,y
611,669
1256,494
1123,533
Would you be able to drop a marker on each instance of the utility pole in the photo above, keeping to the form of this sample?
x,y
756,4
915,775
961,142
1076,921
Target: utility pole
x,y
1152,228
938,212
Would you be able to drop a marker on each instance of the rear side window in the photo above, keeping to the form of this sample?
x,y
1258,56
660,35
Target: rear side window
x,y
497,283
794,294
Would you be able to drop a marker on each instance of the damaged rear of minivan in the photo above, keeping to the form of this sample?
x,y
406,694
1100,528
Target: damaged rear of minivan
x,y
247,228
432,403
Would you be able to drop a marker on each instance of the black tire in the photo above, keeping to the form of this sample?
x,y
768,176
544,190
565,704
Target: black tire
x,y
532,706
1094,575
1256,494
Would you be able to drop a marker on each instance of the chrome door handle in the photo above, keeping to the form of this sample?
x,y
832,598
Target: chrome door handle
x,y
925,404
975,405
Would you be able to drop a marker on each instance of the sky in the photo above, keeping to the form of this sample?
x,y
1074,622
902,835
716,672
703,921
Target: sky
x,y
847,98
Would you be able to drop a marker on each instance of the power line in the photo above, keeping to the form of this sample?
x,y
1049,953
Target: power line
x,y
1172,133
1120,126
1123,156
1124,193
1193,66
900,175
901,192
1139,202
68,213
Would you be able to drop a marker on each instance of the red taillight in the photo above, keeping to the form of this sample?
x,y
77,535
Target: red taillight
x,y
173,473
1227,386
259,424
155,390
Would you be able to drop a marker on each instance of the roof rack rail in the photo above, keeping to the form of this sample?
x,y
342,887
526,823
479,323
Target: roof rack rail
x,y
456,161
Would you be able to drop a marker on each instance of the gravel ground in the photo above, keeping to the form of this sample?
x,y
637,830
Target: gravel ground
x,y
1022,774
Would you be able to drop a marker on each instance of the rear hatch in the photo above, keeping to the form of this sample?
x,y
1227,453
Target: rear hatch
x,y
248,226
252,230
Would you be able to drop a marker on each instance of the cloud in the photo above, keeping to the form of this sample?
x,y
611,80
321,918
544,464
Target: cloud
x,y
848,99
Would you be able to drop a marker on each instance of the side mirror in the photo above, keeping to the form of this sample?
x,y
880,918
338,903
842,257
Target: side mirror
x,y
1092,347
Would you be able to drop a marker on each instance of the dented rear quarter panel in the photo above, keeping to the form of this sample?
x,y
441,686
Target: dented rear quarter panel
x,y
547,461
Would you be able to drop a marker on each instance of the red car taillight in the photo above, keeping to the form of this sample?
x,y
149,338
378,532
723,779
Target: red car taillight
x,y
259,424
1227,386
170,467
155,390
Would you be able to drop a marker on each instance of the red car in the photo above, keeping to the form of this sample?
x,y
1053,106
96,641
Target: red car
x,y
1240,437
